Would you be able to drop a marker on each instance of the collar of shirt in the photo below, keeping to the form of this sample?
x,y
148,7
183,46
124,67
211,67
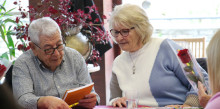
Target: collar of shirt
x,y
43,67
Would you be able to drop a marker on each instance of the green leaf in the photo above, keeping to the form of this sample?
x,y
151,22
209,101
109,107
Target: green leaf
x,y
11,45
8,12
193,78
11,10
2,32
9,28
188,69
5,55
191,64
5,14
4,3
9,20
2,6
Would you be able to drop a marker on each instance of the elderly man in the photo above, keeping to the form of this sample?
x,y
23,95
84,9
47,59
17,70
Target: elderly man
x,y
43,74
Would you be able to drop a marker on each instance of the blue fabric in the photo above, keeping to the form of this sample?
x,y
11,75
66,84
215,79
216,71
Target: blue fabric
x,y
168,76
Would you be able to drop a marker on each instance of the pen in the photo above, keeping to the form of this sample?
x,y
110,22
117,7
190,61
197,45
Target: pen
x,y
73,104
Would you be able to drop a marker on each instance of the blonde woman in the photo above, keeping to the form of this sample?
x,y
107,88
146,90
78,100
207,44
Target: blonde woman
x,y
149,65
213,62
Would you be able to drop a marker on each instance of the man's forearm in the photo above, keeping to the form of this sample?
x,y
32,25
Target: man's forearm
x,y
28,101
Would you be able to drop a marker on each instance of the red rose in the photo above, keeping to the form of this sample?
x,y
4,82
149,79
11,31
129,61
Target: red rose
x,y
2,69
184,56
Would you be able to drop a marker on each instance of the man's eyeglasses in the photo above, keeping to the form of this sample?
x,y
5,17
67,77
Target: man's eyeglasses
x,y
50,51
123,32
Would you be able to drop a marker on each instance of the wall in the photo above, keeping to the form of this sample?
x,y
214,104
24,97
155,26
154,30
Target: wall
x,y
112,53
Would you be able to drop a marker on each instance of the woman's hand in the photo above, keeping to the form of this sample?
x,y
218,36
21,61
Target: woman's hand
x,y
120,102
203,97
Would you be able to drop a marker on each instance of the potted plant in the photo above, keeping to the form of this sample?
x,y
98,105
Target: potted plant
x,y
6,31
6,35
69,20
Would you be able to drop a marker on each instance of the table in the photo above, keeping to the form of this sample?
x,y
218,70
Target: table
x,y
144,107
92,68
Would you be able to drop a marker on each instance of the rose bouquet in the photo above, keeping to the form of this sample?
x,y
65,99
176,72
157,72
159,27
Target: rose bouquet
x,y
191,69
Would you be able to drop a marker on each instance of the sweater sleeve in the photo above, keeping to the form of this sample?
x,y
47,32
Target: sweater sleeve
x,y
191,96
115,91
192,100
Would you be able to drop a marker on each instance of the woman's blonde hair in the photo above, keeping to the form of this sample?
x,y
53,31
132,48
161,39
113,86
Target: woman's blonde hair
x,y
128,16
213,61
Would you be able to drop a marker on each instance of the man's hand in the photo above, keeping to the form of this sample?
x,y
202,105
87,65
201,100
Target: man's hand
x,y
120,102
89,101
203,97
50,102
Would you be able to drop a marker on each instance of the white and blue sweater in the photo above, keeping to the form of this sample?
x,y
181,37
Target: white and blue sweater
x,y
159,78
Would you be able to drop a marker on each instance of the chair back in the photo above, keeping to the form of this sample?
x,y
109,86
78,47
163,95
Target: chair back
x,y
195,45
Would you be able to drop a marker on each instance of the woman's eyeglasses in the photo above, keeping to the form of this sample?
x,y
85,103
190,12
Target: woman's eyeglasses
x,y
123,32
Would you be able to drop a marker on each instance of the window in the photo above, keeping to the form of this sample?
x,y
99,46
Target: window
x,y
182,18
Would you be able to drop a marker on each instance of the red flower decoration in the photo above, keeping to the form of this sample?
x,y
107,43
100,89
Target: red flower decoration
x,y
184,56
20,47
23,15
15,3
96,20
2,69
17,20
52,10
104,17
27,48
67,18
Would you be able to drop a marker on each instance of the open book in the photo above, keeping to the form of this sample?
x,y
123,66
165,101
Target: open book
x,y
72,96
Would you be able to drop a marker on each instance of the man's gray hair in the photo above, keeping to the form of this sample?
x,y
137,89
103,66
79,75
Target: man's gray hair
x,y
42,26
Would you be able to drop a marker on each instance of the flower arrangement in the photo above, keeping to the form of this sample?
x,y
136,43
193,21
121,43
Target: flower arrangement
x,y
66,19
191,69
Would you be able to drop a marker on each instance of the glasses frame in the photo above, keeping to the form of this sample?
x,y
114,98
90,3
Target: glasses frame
x,y
51,48
121,32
